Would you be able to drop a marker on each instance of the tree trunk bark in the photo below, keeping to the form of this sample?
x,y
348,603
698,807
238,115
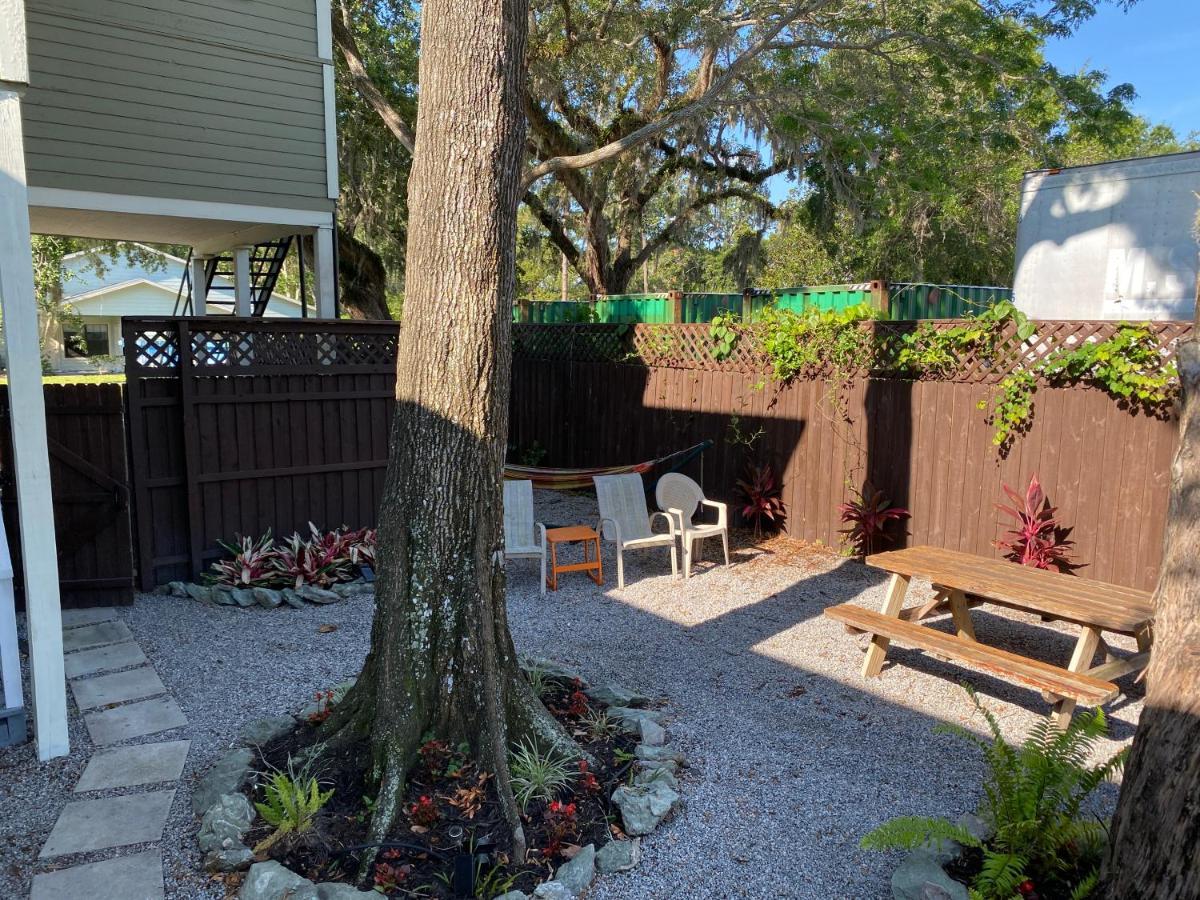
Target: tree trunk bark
x,y
1154,846
441,656
363,279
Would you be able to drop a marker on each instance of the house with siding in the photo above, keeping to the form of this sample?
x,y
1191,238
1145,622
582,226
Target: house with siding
x,y
204,123
87,338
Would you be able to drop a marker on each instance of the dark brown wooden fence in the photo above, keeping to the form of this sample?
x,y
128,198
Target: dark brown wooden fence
x,y
583,395
240,426
90,485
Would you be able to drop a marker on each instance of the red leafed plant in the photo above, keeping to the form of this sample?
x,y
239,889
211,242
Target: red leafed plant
x,y
325,701
253,562
424,812
1039,540
587,780
320,561
560,825
362,550
578,704
762,498
866,516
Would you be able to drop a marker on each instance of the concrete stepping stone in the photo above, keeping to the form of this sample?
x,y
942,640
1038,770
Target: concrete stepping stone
x,y
119,687
135,877
131,766
111,726
101,659
73,618
95,635
87,825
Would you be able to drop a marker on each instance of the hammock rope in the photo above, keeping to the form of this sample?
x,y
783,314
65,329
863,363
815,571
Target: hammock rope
x,y
573,479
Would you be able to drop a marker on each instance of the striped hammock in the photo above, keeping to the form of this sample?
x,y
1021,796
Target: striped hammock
x,y
573,479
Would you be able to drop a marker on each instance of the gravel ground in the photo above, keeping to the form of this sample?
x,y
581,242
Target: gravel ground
x,y
793,755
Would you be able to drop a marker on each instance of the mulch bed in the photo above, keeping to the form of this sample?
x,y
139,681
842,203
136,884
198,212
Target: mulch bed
x,y
451,839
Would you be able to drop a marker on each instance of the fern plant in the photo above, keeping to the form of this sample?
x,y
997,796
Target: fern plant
x,y
292,799
1033,799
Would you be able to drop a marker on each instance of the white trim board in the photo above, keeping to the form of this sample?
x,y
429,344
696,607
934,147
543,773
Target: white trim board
x,y
331,157
61,198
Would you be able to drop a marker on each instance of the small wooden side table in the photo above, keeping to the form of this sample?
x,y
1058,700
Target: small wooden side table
x,y
591,553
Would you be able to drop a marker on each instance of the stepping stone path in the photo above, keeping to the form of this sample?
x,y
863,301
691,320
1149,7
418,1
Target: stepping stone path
x,y
122,699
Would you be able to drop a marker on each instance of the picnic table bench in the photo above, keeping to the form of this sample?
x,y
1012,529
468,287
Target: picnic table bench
x,y
962,581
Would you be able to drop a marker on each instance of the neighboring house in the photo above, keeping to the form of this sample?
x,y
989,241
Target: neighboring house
x,y
90,339
203,123
1116,240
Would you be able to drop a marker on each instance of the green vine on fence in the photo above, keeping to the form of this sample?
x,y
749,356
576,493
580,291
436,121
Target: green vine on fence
x,y
1130,365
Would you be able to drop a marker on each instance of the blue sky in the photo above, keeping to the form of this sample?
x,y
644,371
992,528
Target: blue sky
x,y
1153,47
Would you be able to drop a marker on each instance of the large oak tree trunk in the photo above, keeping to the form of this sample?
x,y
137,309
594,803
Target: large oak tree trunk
x,y
1154,849
441,656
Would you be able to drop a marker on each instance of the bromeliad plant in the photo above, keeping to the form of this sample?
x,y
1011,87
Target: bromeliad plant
x,y
762,499
1039,540
253,563
1041,842
866,516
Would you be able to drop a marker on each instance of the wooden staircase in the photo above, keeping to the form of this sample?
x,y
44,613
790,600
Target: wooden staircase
x,y
266,262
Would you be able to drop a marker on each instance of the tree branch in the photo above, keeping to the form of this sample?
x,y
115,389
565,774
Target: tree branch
x,y
697,204
365,85
558,234
682,114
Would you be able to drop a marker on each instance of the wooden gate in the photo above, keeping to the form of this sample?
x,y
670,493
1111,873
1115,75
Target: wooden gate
x,y
237,426
89,481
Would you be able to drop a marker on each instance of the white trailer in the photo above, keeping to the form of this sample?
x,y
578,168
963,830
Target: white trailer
x,y
1115,240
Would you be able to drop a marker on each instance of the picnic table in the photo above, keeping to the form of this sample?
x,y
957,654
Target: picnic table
x,y
962,581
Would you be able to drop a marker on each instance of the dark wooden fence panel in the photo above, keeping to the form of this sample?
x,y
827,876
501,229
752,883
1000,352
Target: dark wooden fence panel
x,y
89,482
237,427
926,444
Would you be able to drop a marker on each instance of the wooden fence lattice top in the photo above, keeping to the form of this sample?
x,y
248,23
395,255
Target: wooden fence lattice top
x,y
693,347
224,346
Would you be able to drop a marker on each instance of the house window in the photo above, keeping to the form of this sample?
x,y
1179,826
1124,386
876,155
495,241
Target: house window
x,y
92,341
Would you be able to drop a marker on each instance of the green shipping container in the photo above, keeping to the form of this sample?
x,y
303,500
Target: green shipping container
x,y
908,301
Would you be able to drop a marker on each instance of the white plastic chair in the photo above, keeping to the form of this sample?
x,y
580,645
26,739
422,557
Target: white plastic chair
x,y
681,498
523,537
625,521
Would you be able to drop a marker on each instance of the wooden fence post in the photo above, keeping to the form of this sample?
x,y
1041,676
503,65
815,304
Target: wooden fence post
x,y
747,304
523,310
879,295
676,299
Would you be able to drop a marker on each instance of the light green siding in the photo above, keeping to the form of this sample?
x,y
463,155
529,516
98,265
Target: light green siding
x,y
217,100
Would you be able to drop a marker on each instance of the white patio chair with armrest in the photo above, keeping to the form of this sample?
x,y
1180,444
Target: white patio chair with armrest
x,y
682,498
523,537
625,521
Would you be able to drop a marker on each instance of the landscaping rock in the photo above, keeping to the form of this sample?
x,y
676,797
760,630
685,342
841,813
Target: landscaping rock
x,y
178,589
200,592
315,594
225,823
659,754
975,826
263,731
614,695
658,765
921,877
552,890
631,719
292,599
659,773
267,598
513,895
578,873
232,860
618,856
243,597
332,890
554,669
653,734
226,777
644,806
271,881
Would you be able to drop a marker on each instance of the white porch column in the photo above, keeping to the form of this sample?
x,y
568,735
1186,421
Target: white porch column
x,y
27,410
199,284
325,276
241,280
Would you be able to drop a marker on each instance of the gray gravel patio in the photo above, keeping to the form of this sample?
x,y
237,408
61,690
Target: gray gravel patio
x,y
793,756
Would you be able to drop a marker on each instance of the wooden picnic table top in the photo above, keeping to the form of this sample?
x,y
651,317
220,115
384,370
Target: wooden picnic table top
x,y
1056,594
